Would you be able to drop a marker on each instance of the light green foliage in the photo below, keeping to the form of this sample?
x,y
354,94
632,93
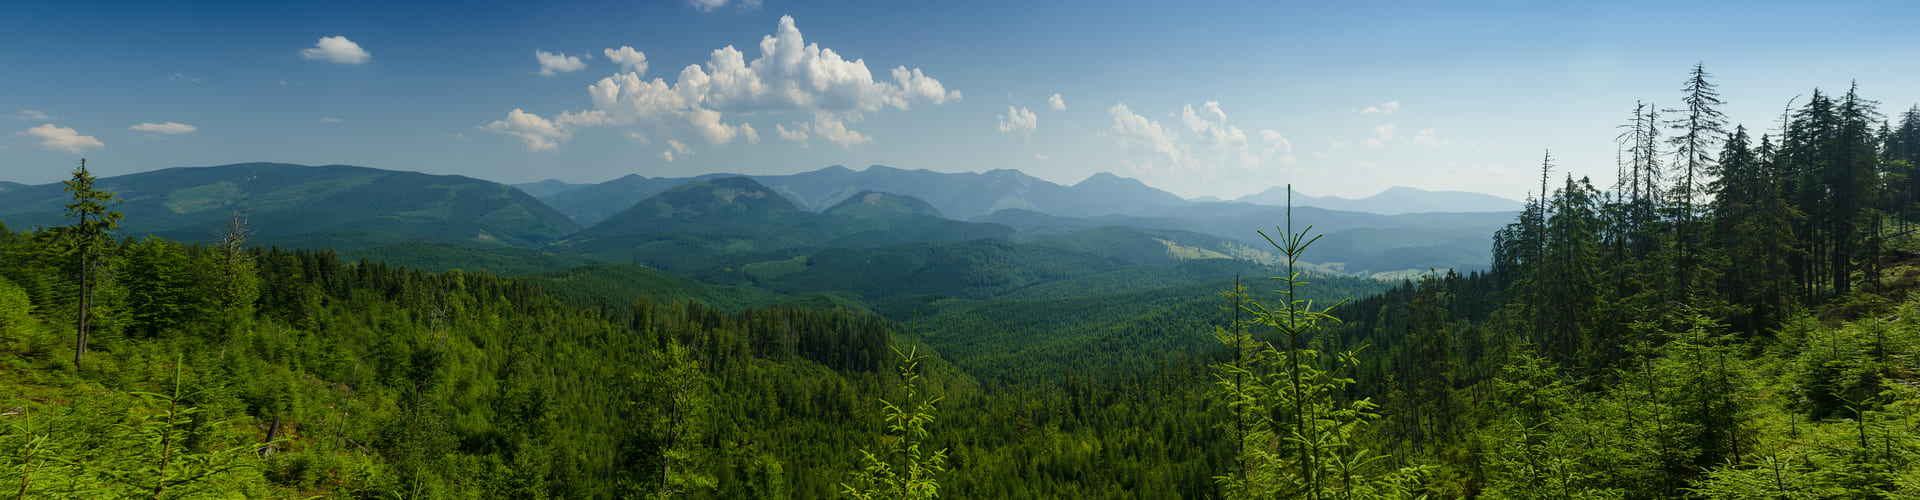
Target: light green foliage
x,y
680,421
1295,439
903,470
13,309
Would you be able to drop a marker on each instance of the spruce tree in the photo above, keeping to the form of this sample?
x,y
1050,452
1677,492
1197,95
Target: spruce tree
x,y
89,240
1700,129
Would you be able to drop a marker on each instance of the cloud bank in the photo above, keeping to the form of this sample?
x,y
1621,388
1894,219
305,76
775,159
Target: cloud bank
x,y
790,76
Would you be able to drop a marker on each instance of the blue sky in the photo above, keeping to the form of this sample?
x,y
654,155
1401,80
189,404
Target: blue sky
x,y
1224,99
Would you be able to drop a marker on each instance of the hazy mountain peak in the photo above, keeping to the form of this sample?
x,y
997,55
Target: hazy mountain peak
x,y
1392,201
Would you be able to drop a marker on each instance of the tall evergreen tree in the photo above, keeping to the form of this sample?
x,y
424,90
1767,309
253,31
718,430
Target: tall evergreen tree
x,y
1700,127
88,240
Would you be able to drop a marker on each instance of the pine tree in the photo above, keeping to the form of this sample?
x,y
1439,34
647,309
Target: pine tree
x,y
88,240
913,475
1700,129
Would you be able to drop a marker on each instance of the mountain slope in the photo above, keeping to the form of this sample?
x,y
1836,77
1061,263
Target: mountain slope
x,y
1355,242
691,227
548,187
962,196
335,206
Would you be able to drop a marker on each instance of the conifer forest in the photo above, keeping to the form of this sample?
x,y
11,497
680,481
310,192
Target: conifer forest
x,y
1734,315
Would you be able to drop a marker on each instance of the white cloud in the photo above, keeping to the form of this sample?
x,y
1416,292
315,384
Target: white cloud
x,y
31,115
56,138
1134,130
169,128
1217,151
679,148
1382,135
554,64
329,119
183,78
1426,137
667,155
790,76
711,5
829,127
1387,132
630,61
1278,147
1211,123
1019,121
796,134
1385,108
1276,142
541,134
1056,102
753,136
337,49
1038,156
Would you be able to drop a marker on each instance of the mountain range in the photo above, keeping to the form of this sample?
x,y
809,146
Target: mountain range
x,y
1393,201
971,195
715,227
293,205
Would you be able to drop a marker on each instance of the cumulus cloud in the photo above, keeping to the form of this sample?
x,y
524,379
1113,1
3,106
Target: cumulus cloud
x,y
1386,132
789,76
1278,147
1385,108
1056,102
1209,150
56,138
711,5
337,49
1020,121
1427,137
1276,142
1135,131
1382,135
753,136
31,115
829,127
796,134
630,61
554,64
169,128
540,133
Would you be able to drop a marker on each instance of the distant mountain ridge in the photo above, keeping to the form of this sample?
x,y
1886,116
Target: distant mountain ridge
x,y
1392,201
335,206
698,224
970,195
959,196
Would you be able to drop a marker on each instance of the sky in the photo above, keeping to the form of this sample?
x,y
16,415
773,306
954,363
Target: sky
x,y
1219,99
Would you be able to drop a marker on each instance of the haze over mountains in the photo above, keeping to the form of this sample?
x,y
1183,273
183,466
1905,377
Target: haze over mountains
x,y
971,195
715,222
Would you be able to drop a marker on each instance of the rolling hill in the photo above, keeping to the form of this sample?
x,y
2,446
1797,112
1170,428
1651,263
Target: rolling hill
x,y
957,195
337,206
693,226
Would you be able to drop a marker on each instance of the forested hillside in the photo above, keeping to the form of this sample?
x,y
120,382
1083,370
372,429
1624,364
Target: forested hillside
x,y
1732,317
